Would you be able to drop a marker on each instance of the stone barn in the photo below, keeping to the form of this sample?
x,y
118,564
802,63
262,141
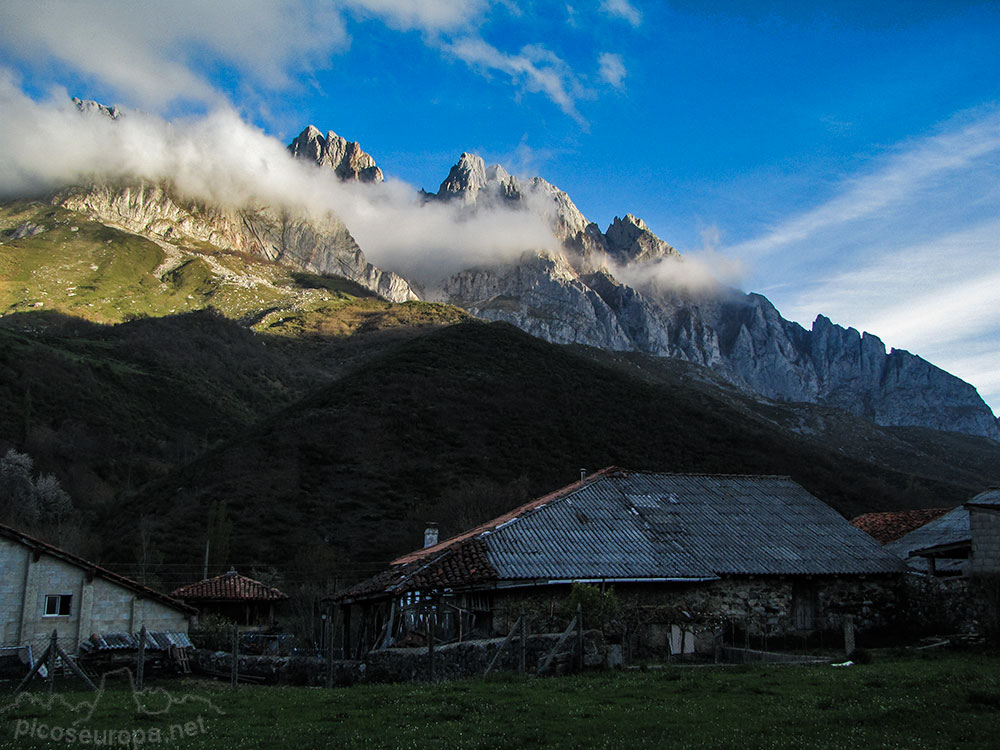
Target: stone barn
x,y
684,555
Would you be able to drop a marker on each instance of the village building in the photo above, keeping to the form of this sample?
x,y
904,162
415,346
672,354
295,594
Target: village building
x,y
962,541
953,559
242,600
44,588
759,551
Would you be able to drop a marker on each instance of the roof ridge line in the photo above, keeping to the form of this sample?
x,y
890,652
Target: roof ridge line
x,y
34,543
494,523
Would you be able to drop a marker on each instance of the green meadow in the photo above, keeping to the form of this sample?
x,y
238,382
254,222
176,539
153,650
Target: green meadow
x,y
906,701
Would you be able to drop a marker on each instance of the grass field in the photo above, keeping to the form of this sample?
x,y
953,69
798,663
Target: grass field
x,y
938,701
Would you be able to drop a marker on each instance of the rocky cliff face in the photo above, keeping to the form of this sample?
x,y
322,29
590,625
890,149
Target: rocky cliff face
x,y
572,297
324,247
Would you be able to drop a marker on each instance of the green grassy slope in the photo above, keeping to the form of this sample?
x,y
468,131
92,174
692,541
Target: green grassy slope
x,y
64,262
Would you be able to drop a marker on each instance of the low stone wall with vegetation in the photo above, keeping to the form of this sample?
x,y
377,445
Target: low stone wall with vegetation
x,y
280,670
952,605
451,661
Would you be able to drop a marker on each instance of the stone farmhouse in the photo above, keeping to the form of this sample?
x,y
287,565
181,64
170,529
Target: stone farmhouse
x,y
44,588
677,550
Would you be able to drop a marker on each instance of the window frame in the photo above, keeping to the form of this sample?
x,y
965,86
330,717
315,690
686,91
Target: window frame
x,y
59,599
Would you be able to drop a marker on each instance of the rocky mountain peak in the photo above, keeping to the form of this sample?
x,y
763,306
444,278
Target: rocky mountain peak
x,y
465,179
631,241
470,176
88,106
346,158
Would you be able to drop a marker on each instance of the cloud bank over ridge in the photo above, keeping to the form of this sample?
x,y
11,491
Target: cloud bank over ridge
x,y
219,158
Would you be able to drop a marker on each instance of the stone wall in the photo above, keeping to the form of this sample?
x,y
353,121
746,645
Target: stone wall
x,y
13,562
451,661
941,606
283,670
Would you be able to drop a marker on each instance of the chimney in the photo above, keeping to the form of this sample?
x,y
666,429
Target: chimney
x,y
430,534
583,474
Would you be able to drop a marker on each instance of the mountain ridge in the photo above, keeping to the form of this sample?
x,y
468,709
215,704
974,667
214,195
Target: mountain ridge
x,y
576,298
622,289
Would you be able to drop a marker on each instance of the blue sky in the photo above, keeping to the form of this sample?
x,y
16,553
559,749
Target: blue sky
x,y
845,154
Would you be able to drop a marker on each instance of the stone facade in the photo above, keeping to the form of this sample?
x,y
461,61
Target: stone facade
x,y
691,618
984,523
95,604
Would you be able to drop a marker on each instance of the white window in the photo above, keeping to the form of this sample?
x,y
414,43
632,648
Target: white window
x,y
58,605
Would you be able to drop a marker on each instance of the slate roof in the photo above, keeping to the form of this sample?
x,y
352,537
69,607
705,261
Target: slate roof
x,y
229,587
891,525
627,525
44,547
988,499
951,528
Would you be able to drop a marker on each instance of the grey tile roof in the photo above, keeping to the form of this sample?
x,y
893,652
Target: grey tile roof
x,y
645,525
951,528
618,524
990,498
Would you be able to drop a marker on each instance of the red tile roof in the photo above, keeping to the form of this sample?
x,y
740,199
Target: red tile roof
x,y
890,526
464,562
229,587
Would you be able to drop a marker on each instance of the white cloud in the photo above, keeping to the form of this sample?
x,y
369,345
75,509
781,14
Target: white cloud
x,y
901,178
153,53
218,158
423,15
535,69
622,9
612,69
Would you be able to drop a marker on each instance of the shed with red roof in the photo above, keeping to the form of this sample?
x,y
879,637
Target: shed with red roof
x,y
245,601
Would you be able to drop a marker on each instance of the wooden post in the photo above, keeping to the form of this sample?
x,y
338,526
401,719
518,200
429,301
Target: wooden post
x,y
523,645
53,644
140,667
75,669
329,651
503,645
430,643
234,674
579,637
543,664
345,641
848,634
39,663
